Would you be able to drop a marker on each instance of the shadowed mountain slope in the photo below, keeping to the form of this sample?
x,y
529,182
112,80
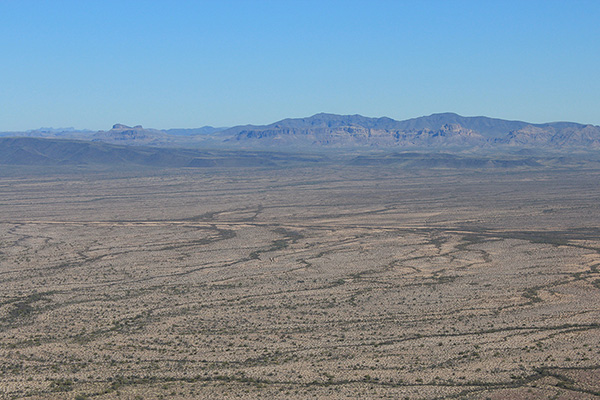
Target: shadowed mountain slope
x,y
53,152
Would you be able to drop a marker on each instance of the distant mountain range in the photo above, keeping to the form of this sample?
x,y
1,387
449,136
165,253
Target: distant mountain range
x,y
445,130
126,135
437,130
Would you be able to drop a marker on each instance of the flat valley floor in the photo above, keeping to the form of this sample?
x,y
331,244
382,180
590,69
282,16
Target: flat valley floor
x,y
307,282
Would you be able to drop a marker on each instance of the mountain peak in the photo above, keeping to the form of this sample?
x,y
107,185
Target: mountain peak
x,y
122,126
444,115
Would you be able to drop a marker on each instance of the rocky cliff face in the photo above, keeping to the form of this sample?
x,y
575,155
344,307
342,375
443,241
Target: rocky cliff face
x,y
438,130
585,136
123,134
330,130
446,135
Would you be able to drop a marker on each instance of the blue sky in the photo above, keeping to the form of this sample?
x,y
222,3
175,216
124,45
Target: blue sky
x,y
90,64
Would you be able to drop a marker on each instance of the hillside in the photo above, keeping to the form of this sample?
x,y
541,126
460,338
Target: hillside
x,y
60,152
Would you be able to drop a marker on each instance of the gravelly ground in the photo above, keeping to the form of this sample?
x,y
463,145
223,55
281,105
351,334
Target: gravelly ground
x,y
300,283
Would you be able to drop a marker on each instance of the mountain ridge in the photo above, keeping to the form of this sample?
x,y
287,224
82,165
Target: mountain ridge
x,y
333,130
437,130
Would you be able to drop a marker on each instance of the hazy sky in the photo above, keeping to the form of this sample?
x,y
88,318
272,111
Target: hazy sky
x,y
90,64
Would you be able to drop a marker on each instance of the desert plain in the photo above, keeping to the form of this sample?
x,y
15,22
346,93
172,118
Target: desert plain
x,y
302,282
